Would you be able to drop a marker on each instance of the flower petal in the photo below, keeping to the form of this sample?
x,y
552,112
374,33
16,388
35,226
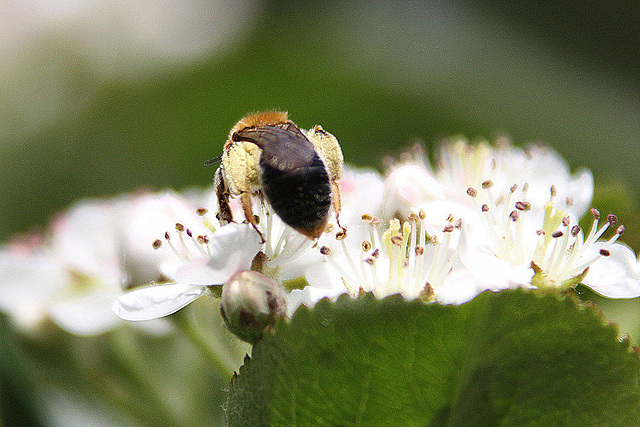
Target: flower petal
x,y
616,275
156,301
233,247
89,314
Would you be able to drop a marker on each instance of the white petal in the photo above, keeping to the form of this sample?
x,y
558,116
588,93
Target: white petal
x,y
409,186
458,288
156,301
233,247
617,275
84,238
199,272
309,296
89,314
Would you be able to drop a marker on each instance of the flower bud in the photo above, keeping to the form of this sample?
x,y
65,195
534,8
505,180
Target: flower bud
x,y
251,302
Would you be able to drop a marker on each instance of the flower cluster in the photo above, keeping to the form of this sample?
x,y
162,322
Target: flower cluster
x,y
483,217
90,255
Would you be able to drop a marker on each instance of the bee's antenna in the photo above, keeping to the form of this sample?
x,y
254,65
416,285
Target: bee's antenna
x,y
213,162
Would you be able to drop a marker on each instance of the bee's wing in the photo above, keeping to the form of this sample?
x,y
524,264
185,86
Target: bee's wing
x,y
284,148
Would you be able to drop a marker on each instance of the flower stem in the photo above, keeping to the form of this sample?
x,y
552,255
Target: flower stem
x,y
134,371
214,356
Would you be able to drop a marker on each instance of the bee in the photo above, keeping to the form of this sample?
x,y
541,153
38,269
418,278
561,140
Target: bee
x,y
267,156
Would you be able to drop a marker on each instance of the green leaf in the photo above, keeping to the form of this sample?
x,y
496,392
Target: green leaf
x,y
508,358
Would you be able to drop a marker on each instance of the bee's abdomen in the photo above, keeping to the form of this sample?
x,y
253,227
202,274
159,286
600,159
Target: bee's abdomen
x,y
301,197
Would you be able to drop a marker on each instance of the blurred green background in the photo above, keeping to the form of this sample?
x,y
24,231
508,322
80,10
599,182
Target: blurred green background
x,y
94,106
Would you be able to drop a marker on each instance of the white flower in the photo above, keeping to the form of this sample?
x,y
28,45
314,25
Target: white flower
x,y
141,219
201,265
94,251
413,183
212,262
513,237
69,278
402,259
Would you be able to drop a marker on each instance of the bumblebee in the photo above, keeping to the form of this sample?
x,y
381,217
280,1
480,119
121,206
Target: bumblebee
x,y
266,155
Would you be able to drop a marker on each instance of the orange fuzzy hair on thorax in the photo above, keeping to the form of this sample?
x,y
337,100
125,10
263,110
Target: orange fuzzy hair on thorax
x,y
266,118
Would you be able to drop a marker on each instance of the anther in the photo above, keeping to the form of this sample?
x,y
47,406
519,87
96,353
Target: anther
x,y
595,213
472,192
366,246
179,227
422,214
340,235
202,211
569,201
419,250
553,191
513,188
525,187
523,206
375,221
369,261
325,250
575,230
448,228
514,215
366,218
189,233
604,252
540,232
612,219
205,239
167,236
157,243
485,208
620,231
396,240
413,217
557,234
487,184
375,253
566,221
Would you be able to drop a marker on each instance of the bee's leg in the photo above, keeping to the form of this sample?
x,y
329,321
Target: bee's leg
x,y
225,215
335,196
245,201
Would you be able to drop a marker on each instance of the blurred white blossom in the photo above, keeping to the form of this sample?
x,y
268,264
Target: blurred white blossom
x,y
54,55
88,258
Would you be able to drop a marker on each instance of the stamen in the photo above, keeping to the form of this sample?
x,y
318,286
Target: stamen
x,y
167,237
